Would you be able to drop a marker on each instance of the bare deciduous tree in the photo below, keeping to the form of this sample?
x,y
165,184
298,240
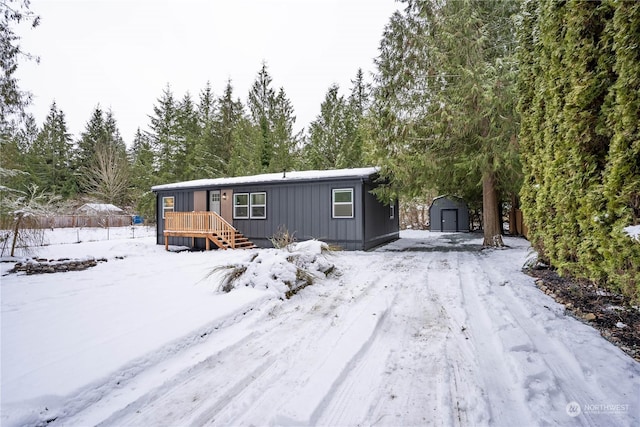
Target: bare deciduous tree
x,y
109,177
24,211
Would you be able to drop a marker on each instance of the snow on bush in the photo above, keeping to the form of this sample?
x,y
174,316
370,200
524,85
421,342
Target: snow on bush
x,y
281,271
633,231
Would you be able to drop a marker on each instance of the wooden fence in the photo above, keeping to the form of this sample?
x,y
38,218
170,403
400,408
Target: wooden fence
x,y
72,221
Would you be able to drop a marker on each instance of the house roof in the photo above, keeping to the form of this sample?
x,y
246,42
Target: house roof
x,y
279,177
100,207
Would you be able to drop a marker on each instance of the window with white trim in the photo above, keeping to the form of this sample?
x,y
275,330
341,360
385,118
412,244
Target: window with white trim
x,y
258,205
342,201
168,204
241,205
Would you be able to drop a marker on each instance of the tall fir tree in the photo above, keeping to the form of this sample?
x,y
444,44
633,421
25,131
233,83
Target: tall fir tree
x,y
15,156
164,135
285,143
445,100
186,162
358,105
93,135
13,100
261,100
206,156
228,120
143,177
51,156
328,133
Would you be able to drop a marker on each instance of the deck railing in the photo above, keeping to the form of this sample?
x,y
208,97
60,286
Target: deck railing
x,y
193,224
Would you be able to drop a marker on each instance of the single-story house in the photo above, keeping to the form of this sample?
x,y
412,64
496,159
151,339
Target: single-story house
x,y
94,209
335,206
449,213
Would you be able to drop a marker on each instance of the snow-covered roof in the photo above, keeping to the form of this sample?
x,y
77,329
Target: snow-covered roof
x,y
273,178
100,207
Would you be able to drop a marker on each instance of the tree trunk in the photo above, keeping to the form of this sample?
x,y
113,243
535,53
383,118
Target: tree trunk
x,y
490,213
514,230
16,230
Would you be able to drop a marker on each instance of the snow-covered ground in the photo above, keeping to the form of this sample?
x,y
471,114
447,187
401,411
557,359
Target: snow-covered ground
x,y
428,330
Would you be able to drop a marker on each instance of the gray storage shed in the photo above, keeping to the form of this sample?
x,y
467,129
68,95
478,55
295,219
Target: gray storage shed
x,y
449,213
335,206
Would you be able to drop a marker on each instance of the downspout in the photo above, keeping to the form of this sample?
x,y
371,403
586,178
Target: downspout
x,y
364,217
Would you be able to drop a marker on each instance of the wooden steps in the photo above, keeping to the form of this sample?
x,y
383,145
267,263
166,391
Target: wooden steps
x,y
241,242
208,225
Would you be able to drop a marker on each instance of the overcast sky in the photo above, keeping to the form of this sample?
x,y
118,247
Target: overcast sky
x,y
121,54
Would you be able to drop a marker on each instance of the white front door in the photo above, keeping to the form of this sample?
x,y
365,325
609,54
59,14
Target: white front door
x,y
214,201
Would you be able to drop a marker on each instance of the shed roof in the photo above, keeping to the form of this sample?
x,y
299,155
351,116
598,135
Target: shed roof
x,y
100,207
279,177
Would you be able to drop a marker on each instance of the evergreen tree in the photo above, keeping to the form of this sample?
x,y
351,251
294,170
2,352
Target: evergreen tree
x,y
164,135
328,133
336,136
228,121
445,101
15,154
13,100
358,105
245,158
579,107
206,160
186,161
113,136
261,100
622,175
283,139
142,176
51,156
93,135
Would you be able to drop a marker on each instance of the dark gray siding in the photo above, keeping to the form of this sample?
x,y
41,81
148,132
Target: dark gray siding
x,y
305,209
183,202
448,203
379,226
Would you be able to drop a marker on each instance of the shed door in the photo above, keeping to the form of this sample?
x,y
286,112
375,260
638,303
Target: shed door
x,y
449,219
214,201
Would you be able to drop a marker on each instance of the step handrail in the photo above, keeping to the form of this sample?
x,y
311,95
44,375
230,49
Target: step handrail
x,y
197,223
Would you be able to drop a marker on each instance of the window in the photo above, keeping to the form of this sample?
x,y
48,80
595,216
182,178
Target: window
x,y
167,205
241,205
250,205
343,203
392,211
258,205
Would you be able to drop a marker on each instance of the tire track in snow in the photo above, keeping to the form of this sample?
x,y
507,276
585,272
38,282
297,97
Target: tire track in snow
x,y
415,382
96,402
461,391
315,372
405,377
551,373
274,338
505,401
411,338
355,394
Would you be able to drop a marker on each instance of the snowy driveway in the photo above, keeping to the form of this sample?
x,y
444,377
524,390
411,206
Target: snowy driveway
x,y
411,334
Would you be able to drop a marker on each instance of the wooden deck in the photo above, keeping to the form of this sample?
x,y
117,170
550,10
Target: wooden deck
x,y
208,225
